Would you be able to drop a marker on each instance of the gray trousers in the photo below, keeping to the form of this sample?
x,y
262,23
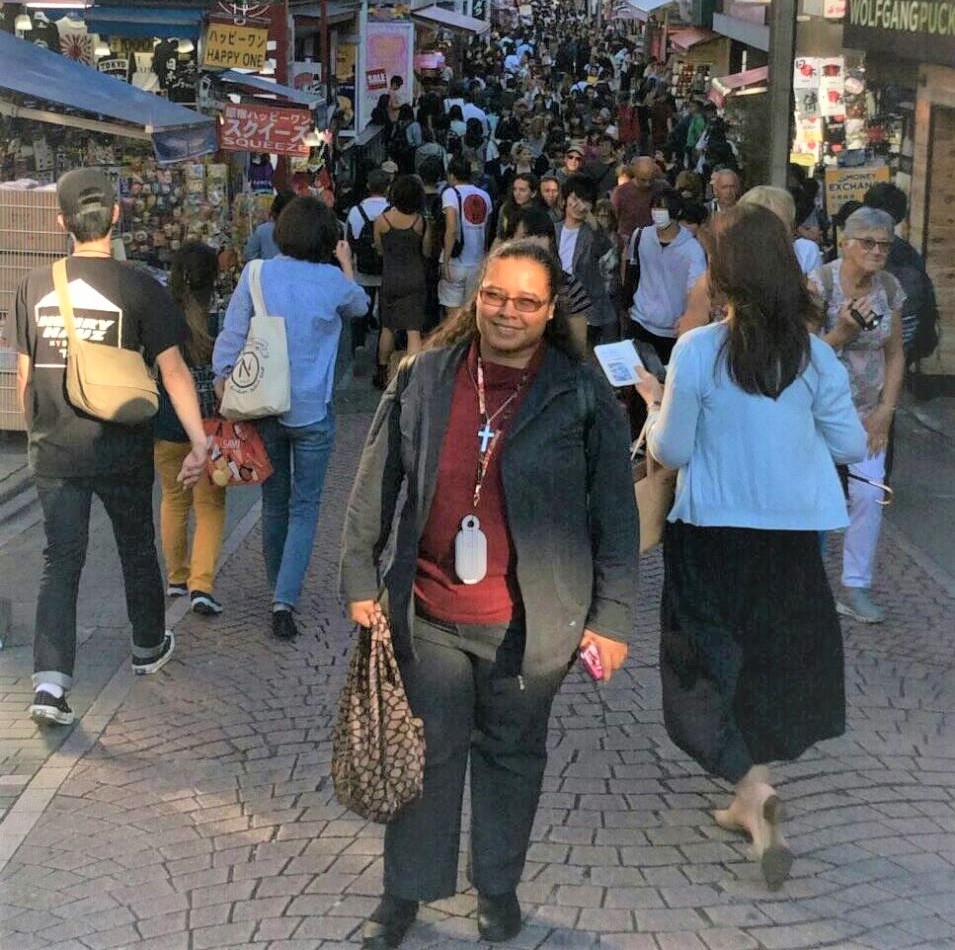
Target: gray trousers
x,y
479,710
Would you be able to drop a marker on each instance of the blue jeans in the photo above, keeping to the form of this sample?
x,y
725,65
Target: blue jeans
x,y
290,500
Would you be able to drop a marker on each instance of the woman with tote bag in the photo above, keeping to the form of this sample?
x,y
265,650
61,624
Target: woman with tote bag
x,y
311,286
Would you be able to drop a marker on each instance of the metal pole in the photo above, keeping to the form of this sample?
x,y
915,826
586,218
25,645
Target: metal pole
x,y
782,52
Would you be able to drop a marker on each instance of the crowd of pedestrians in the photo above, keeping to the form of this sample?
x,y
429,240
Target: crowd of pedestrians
x,y
553,199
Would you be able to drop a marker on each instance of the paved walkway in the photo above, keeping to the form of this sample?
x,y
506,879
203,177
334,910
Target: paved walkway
x,y
194,809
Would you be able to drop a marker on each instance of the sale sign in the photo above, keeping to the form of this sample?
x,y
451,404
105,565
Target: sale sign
x,y
258,128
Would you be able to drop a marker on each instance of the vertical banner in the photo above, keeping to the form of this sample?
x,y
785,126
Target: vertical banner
x,y
387,50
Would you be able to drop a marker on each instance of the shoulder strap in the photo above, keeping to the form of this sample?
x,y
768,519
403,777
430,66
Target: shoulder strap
x,y
827,279
255,287
62,285
364,216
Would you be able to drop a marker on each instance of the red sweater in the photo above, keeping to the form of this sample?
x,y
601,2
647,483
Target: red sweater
x,y
438,592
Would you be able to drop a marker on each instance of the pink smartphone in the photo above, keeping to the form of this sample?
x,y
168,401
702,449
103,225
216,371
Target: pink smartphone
x,y
590,661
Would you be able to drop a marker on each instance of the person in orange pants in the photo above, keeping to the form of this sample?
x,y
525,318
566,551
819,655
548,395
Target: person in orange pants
x,y
192,573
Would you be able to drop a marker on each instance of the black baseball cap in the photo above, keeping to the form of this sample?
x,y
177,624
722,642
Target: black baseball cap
x,y
83,191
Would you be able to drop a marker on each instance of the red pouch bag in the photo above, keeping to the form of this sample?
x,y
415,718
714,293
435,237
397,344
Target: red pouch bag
x,y
237,454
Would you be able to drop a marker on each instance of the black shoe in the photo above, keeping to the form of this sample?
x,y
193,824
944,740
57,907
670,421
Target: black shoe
x,y
388,923
47,708
141,667
176,590
499,917
205,604
283,625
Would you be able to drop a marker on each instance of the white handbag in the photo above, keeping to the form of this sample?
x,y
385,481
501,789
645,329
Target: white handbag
x,y
260,382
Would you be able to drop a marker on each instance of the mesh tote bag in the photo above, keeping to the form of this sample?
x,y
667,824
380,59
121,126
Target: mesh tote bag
x,y
378,747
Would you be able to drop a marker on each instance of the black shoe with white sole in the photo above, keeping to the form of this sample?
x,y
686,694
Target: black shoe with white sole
x,y
205,604
176,590
47,708
156,663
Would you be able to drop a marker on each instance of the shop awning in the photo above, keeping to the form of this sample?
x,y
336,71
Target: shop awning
x,y
259,85
685,40
750,81
449,20
648,6
176,132
158,20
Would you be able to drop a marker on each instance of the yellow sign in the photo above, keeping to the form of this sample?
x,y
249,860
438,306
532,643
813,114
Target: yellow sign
x,y
229,46
851,184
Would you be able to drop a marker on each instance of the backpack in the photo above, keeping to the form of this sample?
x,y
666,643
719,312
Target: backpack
x,y
919,312
459,239
367,259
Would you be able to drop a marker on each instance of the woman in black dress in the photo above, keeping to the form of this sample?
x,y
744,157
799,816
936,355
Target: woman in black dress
x,y
400,236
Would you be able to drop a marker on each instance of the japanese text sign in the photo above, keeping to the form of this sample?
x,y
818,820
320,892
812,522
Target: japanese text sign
x,y
256,128
231,46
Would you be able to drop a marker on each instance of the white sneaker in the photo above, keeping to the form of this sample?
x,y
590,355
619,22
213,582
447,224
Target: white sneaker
x,y
856,603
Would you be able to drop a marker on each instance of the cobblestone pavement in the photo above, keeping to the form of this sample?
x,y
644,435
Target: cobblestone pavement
x,y
202,816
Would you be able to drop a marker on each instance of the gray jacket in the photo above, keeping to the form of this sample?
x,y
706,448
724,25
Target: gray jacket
x,y
591,246
568,490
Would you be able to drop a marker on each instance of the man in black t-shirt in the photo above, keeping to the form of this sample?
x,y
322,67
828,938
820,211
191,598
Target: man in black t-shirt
x,y
74,455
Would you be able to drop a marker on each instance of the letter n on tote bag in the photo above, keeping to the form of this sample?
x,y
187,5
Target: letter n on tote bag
x,y
260,383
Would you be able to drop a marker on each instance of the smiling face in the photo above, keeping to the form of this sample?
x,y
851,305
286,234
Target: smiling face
x,y
511,330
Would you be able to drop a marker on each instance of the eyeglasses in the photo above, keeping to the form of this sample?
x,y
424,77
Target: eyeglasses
x,y
871,244
523,303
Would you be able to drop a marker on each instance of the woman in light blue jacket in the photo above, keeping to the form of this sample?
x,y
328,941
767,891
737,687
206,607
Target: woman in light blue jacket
x,y
313,295
755,414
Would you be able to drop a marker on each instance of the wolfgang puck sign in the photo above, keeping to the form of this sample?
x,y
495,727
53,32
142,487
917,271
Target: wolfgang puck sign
x,y
922,30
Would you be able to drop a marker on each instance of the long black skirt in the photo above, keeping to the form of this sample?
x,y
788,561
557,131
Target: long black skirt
x,y
751,650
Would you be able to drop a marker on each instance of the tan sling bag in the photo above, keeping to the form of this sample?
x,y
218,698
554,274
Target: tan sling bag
x,y
108,382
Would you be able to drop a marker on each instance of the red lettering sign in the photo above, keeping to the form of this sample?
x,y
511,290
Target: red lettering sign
x,y
257,128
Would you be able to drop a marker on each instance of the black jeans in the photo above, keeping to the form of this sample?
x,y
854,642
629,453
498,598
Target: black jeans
x,y
127,498
480,710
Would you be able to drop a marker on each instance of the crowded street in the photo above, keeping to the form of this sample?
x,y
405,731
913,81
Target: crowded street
x,y
477,474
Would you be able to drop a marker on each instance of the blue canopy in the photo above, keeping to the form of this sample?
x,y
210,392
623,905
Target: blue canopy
x,y
144,21
177,133
258,84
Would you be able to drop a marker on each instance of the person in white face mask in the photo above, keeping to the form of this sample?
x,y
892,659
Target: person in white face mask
x,y
662,262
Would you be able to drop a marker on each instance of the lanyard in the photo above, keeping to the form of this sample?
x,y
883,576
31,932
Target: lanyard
x,y
489,437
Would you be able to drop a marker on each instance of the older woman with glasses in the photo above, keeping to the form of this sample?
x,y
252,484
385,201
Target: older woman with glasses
x,y
863,323
514,549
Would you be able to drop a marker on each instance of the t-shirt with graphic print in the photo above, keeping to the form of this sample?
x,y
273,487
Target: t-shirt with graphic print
x,y
475,211
114,304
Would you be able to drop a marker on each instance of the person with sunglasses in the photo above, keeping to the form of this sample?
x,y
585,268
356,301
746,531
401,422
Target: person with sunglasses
x,y
515,548
863,323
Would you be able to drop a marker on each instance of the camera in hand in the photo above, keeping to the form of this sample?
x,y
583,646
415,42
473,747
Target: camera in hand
x,y
866,323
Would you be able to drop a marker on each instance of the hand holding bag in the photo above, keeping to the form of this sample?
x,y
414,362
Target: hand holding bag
x,y
108,382
654,487
260,382
378,748
237,454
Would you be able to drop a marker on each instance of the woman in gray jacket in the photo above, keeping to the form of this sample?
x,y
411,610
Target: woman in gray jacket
x,y
515,548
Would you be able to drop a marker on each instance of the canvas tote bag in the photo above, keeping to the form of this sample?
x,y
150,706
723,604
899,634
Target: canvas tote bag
x,y
655,488
260,382
108,382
